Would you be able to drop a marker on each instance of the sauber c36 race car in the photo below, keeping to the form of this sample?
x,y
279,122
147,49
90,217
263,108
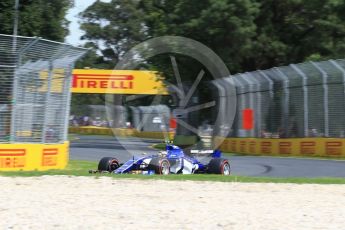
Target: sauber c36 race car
x,y
171,161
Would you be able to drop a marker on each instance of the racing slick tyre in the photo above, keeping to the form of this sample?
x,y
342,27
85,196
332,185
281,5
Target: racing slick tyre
x,y
161,166
219,166
108,164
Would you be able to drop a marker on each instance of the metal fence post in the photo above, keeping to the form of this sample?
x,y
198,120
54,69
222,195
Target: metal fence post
x,y
305,98
325,97
242,105
270,82
251,98
341,70
25,49
15,88
46,108
231,102
68,86
257,111
286,101
222,106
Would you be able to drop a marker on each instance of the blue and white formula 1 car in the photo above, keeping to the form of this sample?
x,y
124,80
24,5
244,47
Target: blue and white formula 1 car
x,y
171,161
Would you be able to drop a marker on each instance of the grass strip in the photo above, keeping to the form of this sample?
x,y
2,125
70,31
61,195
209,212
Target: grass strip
x,y
81,168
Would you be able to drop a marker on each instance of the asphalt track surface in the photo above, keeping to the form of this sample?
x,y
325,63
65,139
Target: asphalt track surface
x,y
93,148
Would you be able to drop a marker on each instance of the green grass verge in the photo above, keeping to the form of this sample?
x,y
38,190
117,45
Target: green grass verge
x,y
81,168
160,146
74,168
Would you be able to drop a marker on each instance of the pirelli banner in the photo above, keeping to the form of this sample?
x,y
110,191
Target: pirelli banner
x,y
117,82
29,157
328,147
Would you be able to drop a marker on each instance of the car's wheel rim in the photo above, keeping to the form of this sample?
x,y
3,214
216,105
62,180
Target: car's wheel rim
x,y
226,169
113,165
165,168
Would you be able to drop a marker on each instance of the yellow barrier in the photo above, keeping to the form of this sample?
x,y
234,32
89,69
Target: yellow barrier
x,y
91,130
118,132
330,147
27,157
154,135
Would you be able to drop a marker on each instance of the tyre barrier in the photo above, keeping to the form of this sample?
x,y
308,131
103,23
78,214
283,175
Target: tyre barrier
x,y
29,157
318,147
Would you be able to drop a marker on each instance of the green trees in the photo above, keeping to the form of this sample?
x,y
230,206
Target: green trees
x,y
113,28
227,27
247,34
291,31
42,18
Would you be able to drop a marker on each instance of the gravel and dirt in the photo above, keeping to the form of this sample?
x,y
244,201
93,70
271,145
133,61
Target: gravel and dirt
x,y
62,202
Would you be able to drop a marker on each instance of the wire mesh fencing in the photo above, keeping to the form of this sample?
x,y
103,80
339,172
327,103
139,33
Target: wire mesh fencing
x,y
154,118
302,100
112,116
35,81
295,101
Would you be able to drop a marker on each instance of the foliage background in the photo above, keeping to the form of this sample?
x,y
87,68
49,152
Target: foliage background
x,y
246,34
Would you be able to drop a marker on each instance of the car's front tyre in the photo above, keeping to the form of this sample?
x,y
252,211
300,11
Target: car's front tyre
x,y
160,166
108,164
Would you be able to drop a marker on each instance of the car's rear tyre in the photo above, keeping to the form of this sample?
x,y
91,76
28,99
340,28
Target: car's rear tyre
x,y
219,166
160,166
108,164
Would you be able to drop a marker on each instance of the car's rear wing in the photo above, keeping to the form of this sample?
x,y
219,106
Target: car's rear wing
x,y
210,153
